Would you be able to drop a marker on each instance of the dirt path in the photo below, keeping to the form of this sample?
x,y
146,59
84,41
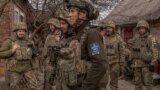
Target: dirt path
x,y
123,85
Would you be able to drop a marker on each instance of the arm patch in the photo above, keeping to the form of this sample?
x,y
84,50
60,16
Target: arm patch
x,y
94,48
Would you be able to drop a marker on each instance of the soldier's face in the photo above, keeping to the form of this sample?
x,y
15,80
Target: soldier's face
x,y
102,32
21,33
73,15
64,26
142,30
82,15
108,30
52,27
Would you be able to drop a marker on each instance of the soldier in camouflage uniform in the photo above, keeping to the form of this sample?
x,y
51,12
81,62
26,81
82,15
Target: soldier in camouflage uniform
x,y
52,40
67,57
144,55
115,51
91,42
16,49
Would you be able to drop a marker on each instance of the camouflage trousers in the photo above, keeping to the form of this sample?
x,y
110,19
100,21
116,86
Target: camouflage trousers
x,y
61,85
114,74
22,81
48,70
142,77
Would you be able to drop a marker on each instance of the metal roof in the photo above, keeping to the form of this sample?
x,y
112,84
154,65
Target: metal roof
x,y
130,11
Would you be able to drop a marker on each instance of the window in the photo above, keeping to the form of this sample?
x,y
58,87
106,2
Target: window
x,y
21,17
18,15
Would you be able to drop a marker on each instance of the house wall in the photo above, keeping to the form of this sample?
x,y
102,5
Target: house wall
x,y
127,33
155,30
5,23
8,20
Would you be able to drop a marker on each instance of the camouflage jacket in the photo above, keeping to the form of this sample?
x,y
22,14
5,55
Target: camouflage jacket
x,y
140,42
91,46
115,48
51,40
6,52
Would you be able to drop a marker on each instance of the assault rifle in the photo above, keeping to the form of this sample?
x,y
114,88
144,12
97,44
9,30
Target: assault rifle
x,y
53,54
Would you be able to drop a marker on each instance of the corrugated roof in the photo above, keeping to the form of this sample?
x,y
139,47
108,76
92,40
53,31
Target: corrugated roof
x,y
130,11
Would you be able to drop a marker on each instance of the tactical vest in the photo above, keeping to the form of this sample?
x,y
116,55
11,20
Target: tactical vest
x,y
112,48
51,40
67,63
23,54
74,67
111,45
141,49
21,59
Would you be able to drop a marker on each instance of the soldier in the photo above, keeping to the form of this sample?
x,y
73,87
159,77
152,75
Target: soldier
x,y
104,81
67,60
144,55
92,48
16,49
52,40
115,51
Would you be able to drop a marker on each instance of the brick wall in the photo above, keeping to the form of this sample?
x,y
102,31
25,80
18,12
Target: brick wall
x,y
5,30
5,23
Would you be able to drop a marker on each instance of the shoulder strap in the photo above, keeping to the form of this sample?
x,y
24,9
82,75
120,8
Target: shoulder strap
x,y
148,42
80,30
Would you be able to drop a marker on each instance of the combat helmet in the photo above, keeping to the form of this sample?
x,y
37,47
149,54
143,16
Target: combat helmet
x,y
110,24
55,22
20,26
62,16
87,5
143,23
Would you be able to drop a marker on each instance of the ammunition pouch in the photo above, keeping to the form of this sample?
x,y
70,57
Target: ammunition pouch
x,y
110,50
69,72
136,53
147,56
23,54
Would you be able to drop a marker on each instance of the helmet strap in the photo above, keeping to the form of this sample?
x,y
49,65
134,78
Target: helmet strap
x,y
80,20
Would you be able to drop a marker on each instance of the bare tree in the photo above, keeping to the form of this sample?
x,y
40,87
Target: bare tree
x,y
3,3
42,10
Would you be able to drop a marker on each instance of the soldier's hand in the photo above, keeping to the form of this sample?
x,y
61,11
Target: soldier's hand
x,y
153,63
74,44
57,38
14,47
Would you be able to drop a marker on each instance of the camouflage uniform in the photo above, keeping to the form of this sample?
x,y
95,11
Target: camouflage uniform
x,y
115,50
140,46
51,40
67,76
19,63
92,48
67,64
